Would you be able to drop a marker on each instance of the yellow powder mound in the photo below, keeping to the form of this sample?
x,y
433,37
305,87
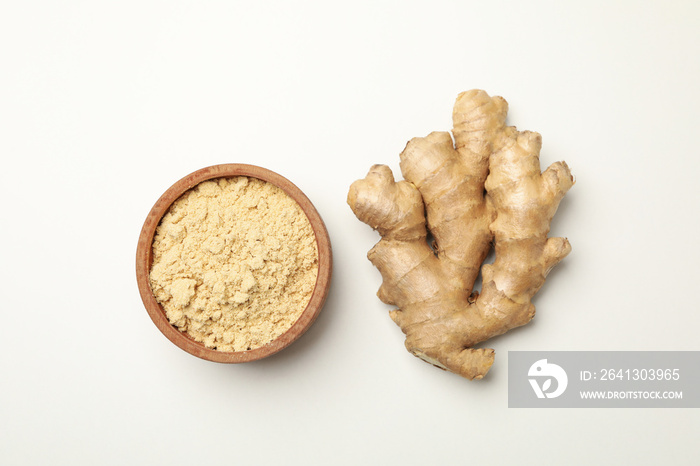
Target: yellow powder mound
x,y
234,263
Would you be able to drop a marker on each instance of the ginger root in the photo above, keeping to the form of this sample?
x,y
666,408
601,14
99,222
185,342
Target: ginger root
x,y
485,188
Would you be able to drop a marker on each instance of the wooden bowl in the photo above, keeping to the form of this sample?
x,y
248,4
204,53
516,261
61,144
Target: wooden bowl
x,y
144,260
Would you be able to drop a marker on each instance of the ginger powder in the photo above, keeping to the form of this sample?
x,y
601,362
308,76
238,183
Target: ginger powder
x,y
234,263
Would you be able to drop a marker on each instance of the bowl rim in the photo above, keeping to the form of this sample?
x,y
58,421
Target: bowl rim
x,y
144,260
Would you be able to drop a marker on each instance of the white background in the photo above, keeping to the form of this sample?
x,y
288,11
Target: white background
x,y
103,105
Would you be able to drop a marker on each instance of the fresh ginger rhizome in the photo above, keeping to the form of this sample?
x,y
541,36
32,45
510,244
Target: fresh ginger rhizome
x,y
484,189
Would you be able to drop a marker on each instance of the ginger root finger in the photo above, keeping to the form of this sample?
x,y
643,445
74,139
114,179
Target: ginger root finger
x,y
485,188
